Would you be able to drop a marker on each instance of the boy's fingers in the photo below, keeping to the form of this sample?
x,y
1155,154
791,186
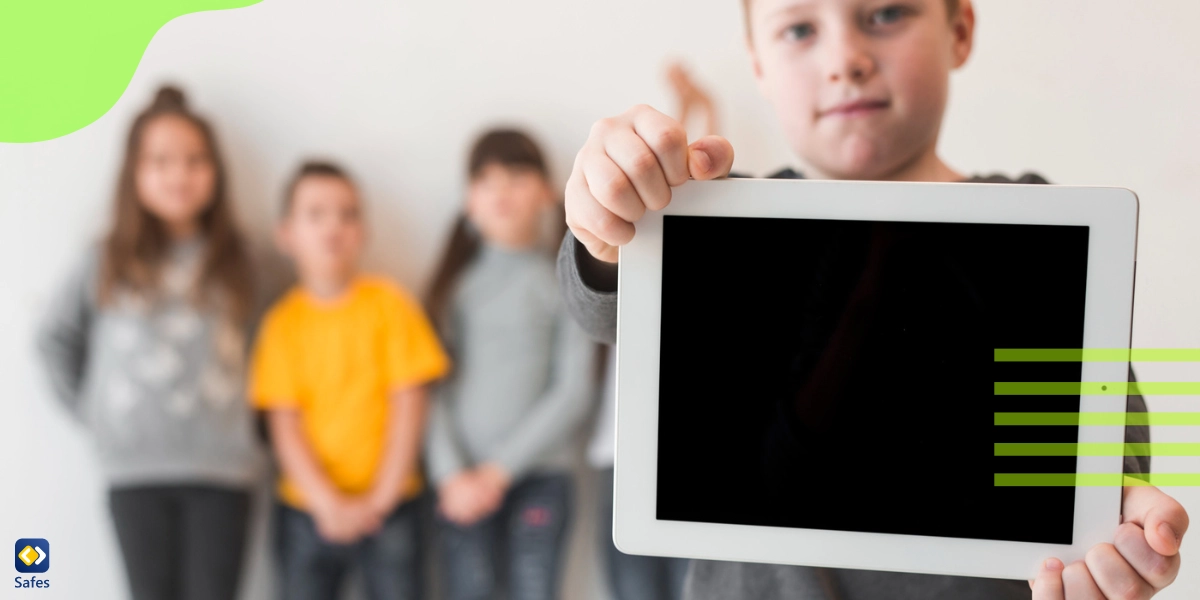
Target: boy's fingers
x,y
1113,575
1077,583
588,213
1162,518
635,159
1049,583
1158,570
666,138
611,183
710,157
597,248
578,208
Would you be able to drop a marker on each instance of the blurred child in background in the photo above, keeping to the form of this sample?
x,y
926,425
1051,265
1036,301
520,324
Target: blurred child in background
x,y
340,366
145,345
500,436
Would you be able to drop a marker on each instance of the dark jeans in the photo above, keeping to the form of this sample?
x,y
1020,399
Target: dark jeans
x,y
518,549
181,541
635,577
314,569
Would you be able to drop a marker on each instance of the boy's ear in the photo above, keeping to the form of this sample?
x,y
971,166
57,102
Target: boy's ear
x,y
963,28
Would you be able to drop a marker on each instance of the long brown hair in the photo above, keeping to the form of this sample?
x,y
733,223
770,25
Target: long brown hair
x,y
506,147
137,244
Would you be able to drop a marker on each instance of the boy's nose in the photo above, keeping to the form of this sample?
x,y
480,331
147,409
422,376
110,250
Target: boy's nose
x,y
849,60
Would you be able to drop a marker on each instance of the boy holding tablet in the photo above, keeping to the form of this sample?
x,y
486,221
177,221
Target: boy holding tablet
x,y
860,88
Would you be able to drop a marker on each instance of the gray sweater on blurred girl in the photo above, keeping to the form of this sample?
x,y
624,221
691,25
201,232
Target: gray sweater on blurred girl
x,y
522,379
159,384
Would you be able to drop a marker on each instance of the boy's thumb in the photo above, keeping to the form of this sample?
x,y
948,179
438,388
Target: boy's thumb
x,y
710,157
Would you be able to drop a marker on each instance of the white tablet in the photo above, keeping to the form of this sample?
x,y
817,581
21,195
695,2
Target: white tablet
x,y
806,373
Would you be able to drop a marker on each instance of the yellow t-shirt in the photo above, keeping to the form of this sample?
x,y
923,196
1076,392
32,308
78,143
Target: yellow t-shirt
x,y
336,362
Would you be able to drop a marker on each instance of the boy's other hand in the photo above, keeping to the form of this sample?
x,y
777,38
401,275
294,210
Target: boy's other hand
x,y
628,165
1142,560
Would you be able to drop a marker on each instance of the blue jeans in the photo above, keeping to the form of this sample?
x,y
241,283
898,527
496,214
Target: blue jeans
x,y
518,549
314,569
635,577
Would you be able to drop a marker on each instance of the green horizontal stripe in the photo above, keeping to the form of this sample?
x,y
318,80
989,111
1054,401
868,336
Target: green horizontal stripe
x,y
1096,355
1095,479
1097,418
1095,388
1098,449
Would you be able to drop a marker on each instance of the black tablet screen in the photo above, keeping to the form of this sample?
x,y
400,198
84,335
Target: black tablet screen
x,y
839,374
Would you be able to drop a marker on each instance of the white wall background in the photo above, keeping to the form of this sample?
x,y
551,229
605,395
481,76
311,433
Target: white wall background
x,y
1083,91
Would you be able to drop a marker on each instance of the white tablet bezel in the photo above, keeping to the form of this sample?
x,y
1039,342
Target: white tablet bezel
x,y
1111,215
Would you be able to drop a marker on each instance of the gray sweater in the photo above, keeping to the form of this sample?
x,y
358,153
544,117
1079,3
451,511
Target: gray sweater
x,y
589,288
522,379
158,384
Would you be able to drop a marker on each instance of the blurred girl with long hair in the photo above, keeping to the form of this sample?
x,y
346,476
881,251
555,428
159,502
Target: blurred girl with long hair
x,y
145,345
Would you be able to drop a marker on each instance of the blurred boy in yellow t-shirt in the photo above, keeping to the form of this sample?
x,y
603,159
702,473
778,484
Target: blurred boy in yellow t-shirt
x,y
340,367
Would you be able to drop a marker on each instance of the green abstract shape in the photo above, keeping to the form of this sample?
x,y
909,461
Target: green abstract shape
x,y
64,63
1096,355
1097,418
1097,449
1095,388
1095,479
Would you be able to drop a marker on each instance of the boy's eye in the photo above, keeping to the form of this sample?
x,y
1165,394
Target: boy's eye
x,y
799,31
888,15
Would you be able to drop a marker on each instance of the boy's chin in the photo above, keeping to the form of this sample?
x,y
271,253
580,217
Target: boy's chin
x,y
865,169
860,159
853,157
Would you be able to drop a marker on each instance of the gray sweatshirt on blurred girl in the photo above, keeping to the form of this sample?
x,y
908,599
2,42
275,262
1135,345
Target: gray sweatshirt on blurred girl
x,y
522,380
158,384
590,290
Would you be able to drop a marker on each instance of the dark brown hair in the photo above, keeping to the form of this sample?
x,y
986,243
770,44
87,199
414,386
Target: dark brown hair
x,y
509,148
137,244
311,168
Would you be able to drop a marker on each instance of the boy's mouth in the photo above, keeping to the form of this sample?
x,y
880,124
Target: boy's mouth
x,y
854,108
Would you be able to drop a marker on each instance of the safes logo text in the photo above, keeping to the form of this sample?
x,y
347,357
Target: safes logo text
x,y
32,555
